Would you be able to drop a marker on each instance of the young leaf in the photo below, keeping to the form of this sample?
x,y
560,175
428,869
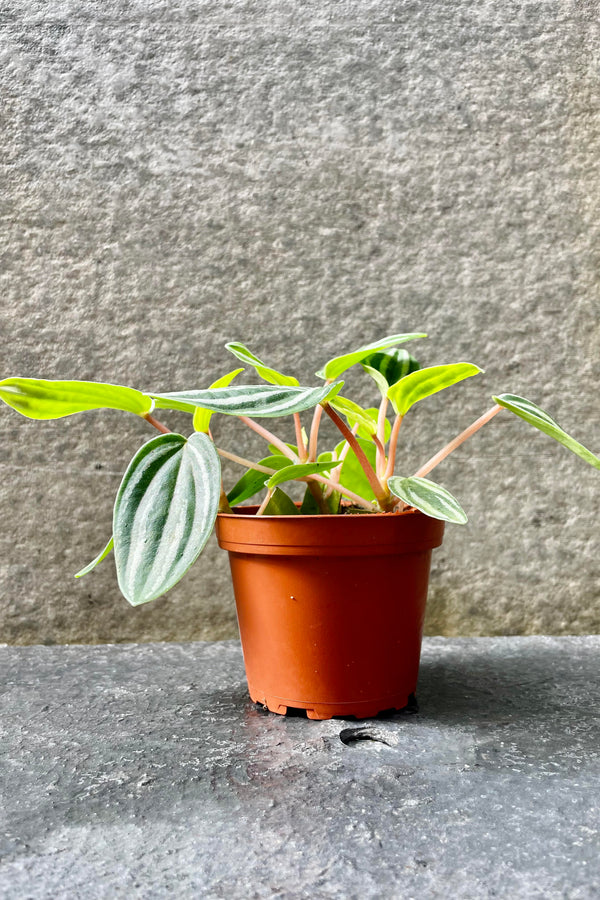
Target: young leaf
x,y
102,555
280,505
270,375
388,366
337,365
425,382
39,399
290,473
252,481
430,498
202,417
164,513
356,415
540,419
257,400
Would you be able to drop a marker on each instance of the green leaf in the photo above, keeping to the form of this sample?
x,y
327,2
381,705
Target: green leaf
x,y
388,366
252,481
164,513
202,417
38,399
280,505
337,365
290,473
355,414
257,400
102,555
540,419
352,475
270,375
310,507
430,498
425,382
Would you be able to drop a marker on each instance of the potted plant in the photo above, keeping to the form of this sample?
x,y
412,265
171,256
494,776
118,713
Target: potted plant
x,y
330,591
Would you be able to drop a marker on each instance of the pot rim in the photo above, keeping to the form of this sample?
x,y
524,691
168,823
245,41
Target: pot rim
x,y
379,534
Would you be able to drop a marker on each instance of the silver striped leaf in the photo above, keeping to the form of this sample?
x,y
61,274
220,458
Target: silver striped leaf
x,y
541,420
164,513
256,400
427,496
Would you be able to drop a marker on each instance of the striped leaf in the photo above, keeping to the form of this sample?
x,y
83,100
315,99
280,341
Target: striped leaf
x,y
102,555
252,481
334,368
389,366
540,419
425,382
202,417
164,513
270,375
257,400
290,473
430,498
39,399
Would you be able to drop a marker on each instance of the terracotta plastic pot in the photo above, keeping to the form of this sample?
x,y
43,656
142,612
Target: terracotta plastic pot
x,y
330,608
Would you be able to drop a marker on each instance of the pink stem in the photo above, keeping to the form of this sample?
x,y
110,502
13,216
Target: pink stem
x,y
302,451
265,503
380,492
445,451
393,445
245,462
270,437
314,433
158,425
381,420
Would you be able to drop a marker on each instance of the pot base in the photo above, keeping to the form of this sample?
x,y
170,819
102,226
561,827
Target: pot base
x,y
361,709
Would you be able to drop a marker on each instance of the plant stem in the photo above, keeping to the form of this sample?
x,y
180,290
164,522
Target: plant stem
x,y
445,451
158,425
381,419
302,451
382,494
245,462
270,437
314,433
265,502
393,445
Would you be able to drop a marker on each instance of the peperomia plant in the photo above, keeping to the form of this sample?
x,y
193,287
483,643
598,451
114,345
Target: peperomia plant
x,y
168,500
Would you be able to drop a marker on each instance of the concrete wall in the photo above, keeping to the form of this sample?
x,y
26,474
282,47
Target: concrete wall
x,y
304,176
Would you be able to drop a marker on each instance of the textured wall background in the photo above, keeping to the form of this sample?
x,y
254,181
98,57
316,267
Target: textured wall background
x,y
305,176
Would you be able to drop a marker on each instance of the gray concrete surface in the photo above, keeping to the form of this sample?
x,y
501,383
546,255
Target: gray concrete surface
x,y
304,176
144,771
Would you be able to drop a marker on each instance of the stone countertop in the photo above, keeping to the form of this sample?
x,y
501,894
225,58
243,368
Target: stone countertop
x,y
144,771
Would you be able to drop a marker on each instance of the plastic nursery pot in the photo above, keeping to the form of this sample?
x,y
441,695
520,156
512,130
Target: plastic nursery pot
x,y
330,608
